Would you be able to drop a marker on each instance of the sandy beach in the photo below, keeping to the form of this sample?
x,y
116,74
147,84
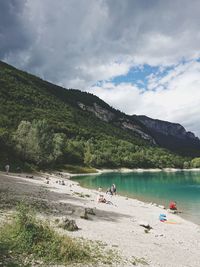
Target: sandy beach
x,y
118,225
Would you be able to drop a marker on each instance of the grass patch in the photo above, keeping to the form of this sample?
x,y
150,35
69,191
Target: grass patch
x,y
78,169
26,240
8,199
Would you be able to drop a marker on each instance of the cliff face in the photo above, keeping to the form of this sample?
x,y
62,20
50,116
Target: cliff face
x,y
100,112
172,135
167,128
118,119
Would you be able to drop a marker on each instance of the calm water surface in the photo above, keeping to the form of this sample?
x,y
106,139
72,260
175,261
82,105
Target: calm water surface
x,y
158,187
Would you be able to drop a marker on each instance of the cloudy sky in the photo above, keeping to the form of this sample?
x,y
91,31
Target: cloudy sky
x,y
140,56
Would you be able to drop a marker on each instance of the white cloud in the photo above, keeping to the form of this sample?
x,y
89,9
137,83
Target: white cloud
x,y
76,43
178,102
80,41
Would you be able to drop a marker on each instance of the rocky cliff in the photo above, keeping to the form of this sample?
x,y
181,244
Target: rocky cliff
x,y
171,135
118,119
168,135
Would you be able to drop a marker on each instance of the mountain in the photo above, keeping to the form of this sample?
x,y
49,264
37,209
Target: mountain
x,y
26,97
36,115
172,136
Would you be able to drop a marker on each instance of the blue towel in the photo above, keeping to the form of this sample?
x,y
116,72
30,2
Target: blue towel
x,y
162,217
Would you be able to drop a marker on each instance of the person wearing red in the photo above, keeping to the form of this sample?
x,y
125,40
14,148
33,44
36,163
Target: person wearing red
x,y
172,205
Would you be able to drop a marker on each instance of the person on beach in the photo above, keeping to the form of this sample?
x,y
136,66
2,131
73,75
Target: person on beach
x,y
7,168
109,191
172,205
101,199
113,189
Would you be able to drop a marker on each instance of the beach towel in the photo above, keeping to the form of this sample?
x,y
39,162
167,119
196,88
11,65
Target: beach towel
x,y
172,222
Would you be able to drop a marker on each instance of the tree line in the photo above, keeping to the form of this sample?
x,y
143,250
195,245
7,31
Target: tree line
x,y
37,143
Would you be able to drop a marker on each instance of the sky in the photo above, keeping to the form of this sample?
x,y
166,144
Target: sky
x,y
140,56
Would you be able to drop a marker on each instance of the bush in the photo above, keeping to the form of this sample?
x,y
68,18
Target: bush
x,y
26,240
195,163
78,169
27,237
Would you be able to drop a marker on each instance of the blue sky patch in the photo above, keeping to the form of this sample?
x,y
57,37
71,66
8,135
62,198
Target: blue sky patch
x,y
138,76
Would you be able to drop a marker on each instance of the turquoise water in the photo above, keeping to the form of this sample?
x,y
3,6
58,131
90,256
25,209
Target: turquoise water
x,y
158,187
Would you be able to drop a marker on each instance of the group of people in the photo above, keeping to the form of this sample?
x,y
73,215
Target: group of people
x,y
113,191
110,191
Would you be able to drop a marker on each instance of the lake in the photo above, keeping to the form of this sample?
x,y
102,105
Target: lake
x,y
157,187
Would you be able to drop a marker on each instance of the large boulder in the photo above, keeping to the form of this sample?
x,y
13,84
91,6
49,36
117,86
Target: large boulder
x,y
90,211
69,225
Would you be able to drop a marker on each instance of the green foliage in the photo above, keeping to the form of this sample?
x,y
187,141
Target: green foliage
x,y
26,240
26,236
74,151
36,142
50,128
88,156
186,164
78,169
115,153
195,163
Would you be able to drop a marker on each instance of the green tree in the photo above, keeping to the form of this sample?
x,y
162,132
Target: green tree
x,y
22,138
88,156
37,143
195,163
186,165
58,145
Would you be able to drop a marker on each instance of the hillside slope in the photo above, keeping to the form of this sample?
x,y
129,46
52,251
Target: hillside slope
x,y
93,133
172,136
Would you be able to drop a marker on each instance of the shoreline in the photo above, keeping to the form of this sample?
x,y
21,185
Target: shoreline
x,y
118,225
127,170
154,202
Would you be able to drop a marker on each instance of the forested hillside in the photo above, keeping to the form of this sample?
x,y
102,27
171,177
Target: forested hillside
x,y
45,125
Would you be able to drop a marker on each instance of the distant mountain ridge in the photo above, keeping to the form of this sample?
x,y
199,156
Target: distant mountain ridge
x,y
118,119
171,135
167,128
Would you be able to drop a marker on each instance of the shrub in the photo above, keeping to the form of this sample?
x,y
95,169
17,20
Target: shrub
x,y
26,240
27,237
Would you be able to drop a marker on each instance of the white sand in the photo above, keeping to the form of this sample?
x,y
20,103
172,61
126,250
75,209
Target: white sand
x,y
128,170
166,245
